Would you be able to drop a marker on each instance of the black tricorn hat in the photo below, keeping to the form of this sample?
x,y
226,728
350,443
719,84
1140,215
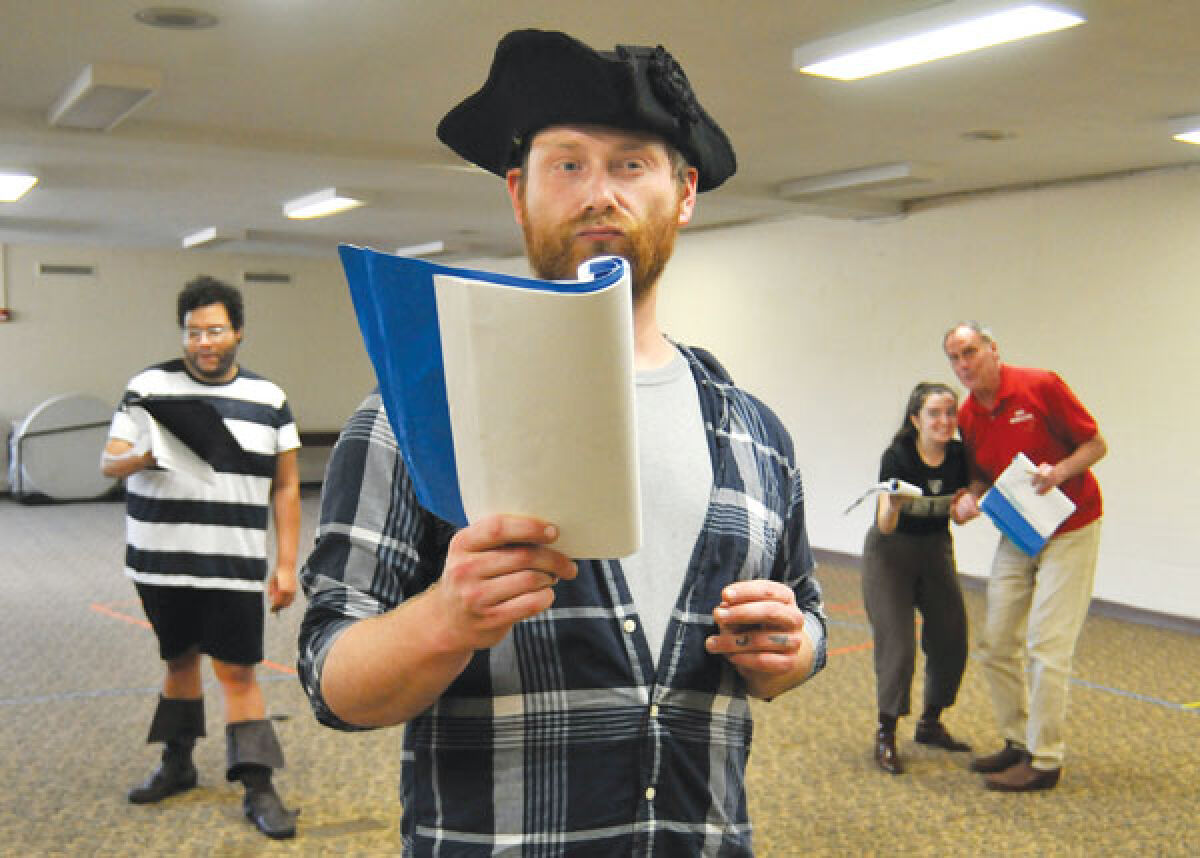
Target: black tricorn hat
x,y
541,78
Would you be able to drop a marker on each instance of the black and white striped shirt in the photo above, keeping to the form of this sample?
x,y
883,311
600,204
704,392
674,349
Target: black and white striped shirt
x,y
181,532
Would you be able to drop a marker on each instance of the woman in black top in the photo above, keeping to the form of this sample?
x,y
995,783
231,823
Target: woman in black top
x,y
908,562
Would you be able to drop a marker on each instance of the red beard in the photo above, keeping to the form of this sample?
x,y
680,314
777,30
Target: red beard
x,y
556,253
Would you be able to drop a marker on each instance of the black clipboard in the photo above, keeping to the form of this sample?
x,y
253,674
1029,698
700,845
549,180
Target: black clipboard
x,y
199,426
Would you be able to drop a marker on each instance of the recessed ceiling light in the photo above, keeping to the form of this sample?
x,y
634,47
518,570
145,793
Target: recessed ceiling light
x,y
860,179
429,248
327,201
1186,129
175,18
13,186
944,30
211,236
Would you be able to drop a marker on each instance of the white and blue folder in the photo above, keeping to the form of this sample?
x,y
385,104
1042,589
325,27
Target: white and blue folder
x,y
509,394
1027,518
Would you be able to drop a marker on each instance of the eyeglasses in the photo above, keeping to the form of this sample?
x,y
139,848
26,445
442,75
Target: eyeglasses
x,y
212,333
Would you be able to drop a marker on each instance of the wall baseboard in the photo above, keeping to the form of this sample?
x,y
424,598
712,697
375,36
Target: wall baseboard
x,y
1098,607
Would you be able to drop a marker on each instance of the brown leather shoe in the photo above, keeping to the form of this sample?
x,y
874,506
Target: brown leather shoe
x,y
886,756
1009,756
935,734
1023,777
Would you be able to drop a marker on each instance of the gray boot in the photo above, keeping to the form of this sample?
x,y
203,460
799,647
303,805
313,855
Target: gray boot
x,y
177,723
252,751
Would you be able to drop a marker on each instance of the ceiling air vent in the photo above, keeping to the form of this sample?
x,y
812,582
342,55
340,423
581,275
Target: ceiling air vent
x,y
57,269
253,277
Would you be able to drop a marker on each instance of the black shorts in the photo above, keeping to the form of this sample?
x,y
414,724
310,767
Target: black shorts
x,y
224,624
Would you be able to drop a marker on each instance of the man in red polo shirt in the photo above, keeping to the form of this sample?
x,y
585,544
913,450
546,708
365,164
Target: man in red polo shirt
x,y
1035,605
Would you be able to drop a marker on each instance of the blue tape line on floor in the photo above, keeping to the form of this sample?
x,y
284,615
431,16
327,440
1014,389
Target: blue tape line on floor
x,y
1144,698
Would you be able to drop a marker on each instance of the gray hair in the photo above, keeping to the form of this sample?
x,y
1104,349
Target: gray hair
x,y
985,333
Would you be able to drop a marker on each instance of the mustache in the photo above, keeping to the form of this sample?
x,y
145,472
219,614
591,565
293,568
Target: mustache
x,y
603,221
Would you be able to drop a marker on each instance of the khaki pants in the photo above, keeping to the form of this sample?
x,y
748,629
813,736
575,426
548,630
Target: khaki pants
x,y
1035,610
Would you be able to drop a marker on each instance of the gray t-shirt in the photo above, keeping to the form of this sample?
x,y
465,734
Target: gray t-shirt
x,y
676,482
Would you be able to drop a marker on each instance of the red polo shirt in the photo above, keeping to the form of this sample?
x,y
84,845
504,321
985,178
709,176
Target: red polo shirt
x,y
1038,415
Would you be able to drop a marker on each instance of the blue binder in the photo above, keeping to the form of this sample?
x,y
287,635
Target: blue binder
x,y
396,305
1026,517
1011,523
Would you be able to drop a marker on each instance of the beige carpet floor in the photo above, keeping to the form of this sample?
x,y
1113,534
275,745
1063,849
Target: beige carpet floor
x,y
79,678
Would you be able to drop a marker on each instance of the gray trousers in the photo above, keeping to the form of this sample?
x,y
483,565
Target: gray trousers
x,y
904,573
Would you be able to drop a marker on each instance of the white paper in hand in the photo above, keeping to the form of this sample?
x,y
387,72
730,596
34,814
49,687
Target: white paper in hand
x,y
887,487
169,452
541,397
1027,518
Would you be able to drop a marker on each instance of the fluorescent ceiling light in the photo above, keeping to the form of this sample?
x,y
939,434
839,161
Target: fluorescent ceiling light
x,y
13,186
429,248
941,31
327,201
1186,129
103,95
860,179
210,236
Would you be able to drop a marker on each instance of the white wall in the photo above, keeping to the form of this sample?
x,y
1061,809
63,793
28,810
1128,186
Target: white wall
x,y
833,322
91,334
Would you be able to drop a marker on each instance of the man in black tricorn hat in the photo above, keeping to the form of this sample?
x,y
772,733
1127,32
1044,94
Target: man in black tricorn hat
x,y
559,706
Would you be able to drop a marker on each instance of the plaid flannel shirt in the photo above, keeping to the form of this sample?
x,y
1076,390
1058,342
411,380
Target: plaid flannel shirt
x,y
564,739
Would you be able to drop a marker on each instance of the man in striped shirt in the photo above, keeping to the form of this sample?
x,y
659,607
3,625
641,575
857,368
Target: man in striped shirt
x,y
557,705
197,541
